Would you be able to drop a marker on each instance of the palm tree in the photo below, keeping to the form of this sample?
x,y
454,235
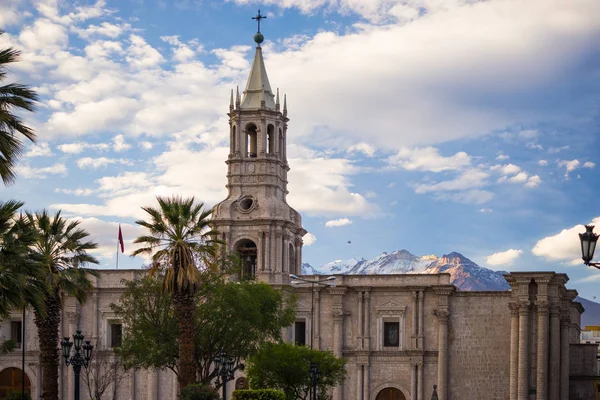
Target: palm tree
x,y
18,286
13,97
60,249
179,240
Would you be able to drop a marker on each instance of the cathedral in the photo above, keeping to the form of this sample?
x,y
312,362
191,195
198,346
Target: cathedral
x,y
401,335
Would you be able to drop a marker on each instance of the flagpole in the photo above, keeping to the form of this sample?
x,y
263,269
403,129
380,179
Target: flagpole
x,y
118,253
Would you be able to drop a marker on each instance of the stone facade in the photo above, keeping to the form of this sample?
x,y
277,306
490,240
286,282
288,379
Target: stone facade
x,y
400,334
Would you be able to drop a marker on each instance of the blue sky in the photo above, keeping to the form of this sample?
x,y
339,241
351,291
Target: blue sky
x,y
427,125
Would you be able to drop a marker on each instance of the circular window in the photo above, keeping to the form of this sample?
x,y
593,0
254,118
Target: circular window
x,y
246,204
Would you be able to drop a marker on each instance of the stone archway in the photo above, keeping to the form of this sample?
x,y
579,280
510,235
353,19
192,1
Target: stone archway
x,y
10,381
390,393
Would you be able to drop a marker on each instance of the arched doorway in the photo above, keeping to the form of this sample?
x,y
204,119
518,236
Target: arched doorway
x,y
246,248
10,381
390,393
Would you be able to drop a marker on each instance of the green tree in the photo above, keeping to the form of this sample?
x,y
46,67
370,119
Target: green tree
x,y
146,310
287,367
13,97
179,238
18,286
60,250
234,318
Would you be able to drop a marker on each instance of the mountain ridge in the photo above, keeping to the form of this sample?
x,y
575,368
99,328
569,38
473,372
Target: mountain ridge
x,y
464,273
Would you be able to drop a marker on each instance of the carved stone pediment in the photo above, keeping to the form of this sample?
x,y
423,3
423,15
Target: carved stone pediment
x,y
390,307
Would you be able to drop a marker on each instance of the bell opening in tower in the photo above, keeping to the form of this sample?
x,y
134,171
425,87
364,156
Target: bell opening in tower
x,y
251,141
247,252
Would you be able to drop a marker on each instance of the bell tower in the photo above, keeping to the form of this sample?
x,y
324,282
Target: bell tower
x,y
255,219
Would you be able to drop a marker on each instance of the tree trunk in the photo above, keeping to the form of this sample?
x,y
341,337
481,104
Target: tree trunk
x,y
47,327
184,313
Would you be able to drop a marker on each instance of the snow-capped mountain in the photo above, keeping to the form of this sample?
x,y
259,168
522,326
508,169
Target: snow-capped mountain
x,y
464,273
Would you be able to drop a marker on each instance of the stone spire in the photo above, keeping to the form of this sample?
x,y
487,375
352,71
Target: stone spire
x,y
258,93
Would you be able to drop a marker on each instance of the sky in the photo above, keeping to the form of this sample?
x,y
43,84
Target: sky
x,y
427,125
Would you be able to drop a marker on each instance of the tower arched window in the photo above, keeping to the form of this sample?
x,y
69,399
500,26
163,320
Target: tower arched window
x,y
280,143
251,140
270,139
247,251
233,140
292,259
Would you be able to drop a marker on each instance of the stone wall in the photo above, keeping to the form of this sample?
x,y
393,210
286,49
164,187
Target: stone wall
x,y
479,343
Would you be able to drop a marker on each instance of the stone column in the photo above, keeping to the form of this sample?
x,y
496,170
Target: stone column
x,y
298,255
268,251
153,384
442,366
420,380
523,369
359,381
421,336
285,265
564,356
554,392
260,254
415,320
360,324
514,349
413,380
317,319
132,385
338,331
542,350
367,321
366,370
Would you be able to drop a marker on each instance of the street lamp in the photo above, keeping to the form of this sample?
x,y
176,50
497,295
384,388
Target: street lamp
x,y
77,360
328,282
588,245
225,367
315,375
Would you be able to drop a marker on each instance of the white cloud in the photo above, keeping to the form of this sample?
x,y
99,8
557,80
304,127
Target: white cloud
x,y
472,196
508,169
141,55
95,163
39,149
76,192
334,223
533,181
364,148
309,239
78,147
119,143
504,258
26,171
502,157
146,145
543,163
469,179
485,210
589,164
570,166
428,159
564,246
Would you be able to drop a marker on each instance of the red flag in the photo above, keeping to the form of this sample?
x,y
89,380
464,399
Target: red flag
x,y
121,240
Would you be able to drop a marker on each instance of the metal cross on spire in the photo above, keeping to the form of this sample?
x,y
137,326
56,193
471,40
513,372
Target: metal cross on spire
x,y
258,18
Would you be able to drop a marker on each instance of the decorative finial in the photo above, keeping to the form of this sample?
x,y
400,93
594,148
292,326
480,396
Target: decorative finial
x,y
258,37
237,97
277,101
231,101
284,105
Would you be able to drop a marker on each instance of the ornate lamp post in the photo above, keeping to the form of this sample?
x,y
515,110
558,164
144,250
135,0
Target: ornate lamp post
x,y
225,367
315,375
77,360
588,245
